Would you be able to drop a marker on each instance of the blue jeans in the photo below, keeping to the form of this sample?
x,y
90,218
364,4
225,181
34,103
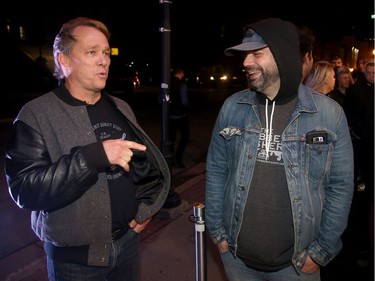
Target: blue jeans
x,y
123,264
236,270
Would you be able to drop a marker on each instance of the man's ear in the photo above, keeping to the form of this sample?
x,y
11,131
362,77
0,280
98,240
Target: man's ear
x,y
63,60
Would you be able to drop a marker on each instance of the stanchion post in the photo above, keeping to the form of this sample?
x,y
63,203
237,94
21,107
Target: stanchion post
x,y
200,242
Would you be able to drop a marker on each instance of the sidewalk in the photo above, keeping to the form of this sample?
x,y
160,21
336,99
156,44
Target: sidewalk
x,y
169,253
167,246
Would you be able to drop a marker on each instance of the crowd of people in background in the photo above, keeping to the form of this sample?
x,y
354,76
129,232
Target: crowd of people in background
x,y
359,108
354,91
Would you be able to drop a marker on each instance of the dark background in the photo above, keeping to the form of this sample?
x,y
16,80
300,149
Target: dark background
x,y
201,30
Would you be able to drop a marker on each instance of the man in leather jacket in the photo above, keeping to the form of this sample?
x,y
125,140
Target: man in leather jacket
x,y
79,160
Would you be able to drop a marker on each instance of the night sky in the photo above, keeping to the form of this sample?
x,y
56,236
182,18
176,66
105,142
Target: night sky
x,y
201,30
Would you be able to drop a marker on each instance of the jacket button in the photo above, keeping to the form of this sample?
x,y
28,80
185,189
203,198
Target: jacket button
x,y
249,156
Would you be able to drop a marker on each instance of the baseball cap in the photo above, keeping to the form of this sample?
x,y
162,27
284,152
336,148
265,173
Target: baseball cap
x,y
251,41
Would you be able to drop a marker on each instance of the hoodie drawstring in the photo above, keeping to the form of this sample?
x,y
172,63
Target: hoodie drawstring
x,y
269,129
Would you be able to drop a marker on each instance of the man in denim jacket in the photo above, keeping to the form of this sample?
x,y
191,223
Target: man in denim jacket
x,y
279,166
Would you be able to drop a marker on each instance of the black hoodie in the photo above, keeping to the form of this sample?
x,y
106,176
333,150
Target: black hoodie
x,y
283,41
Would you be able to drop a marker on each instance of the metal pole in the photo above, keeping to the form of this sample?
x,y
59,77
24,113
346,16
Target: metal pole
x,y
166,146
173,199
200,243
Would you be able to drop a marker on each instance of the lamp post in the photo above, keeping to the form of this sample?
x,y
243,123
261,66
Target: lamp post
x,y
173,199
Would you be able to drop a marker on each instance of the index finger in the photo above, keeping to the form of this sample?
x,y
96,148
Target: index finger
x,y
135,145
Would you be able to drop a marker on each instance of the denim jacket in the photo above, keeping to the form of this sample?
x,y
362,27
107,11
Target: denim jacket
x,y
319,176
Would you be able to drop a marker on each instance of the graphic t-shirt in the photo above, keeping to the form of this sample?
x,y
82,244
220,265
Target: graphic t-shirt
x,y
109,123
266,237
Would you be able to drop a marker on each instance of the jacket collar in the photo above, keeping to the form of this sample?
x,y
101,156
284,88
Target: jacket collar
x,y
305,103
63,94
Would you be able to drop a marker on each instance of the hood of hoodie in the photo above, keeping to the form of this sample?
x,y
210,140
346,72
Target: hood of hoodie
x,y
282,39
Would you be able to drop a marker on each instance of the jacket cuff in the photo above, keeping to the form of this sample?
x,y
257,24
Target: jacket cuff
x,y
95,155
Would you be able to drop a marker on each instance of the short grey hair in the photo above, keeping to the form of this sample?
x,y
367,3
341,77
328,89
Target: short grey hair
x,y
64,40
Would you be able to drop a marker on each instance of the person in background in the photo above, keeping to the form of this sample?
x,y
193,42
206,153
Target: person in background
x,y
359,72
279,170
336,60
321,77
178,116
343,81
360,114
78,159
306,45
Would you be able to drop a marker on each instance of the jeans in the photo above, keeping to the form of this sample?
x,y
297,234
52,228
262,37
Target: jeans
x,y
236,270
123,264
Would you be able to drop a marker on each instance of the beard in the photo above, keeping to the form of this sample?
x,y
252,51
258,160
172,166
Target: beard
x,y
269,76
